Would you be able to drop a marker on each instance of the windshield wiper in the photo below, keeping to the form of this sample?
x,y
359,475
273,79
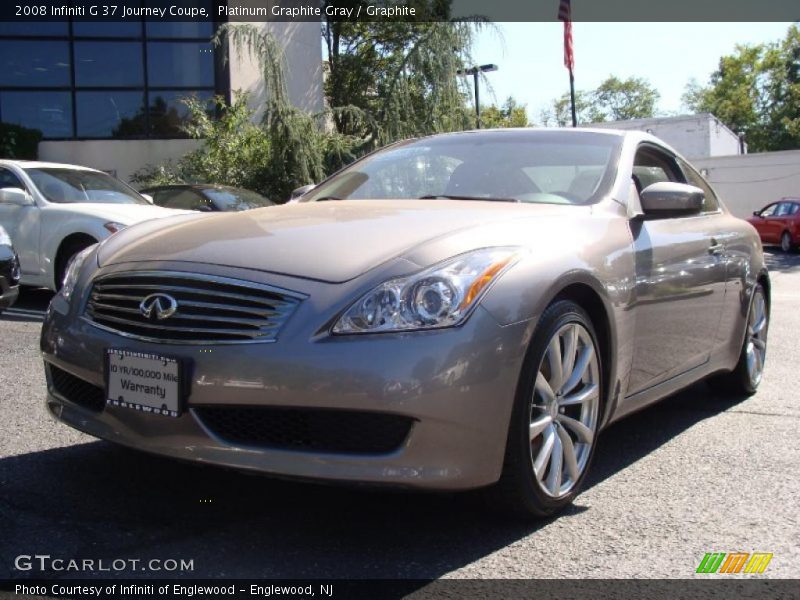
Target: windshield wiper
x,y
327,198
452,197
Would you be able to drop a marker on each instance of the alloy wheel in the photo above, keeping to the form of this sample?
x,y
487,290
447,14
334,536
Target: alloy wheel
x,y
756,344
564,410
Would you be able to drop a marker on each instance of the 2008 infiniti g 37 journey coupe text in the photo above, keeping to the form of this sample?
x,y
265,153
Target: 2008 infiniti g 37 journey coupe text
x,y
451,312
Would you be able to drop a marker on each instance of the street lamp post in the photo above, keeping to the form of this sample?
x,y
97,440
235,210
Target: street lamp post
x,y
475,72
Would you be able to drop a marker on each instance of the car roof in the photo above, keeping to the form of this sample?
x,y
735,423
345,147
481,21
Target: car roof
x,y
633,136
37,164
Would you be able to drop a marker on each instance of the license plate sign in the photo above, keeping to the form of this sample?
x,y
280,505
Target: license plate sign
x,y
145,382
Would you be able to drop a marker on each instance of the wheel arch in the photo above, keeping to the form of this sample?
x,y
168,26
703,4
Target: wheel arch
x,y
69,242
588,293
763,279
590,300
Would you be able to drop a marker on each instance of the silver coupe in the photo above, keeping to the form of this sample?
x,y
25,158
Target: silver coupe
x,y
452,312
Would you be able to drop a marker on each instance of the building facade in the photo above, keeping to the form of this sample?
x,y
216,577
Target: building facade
x,y
108,94
695,136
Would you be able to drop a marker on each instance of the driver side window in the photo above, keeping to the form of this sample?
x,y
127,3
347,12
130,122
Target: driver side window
x,y
651,165
769,211
9,180
710,201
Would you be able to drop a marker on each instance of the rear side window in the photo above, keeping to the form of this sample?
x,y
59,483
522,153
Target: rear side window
x,y
710,202
182,199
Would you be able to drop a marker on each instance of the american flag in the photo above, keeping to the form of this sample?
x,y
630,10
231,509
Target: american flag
x,y
565,14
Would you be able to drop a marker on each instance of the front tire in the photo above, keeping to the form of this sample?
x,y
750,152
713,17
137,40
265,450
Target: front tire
x,y
554,424
746,375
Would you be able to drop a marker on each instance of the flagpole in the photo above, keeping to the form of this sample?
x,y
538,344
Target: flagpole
x,y
572,98
565,15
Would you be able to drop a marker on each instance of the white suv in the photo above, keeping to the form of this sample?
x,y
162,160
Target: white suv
x,y
53,211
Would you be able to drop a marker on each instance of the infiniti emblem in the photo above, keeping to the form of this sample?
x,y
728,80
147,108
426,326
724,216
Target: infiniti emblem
x,y
158,307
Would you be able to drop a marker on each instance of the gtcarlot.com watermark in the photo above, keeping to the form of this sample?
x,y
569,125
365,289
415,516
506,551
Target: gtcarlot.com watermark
x,y
45,563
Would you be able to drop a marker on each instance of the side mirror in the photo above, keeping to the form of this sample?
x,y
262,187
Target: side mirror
x,y
296,193
757,213
15,196
148,197
667,197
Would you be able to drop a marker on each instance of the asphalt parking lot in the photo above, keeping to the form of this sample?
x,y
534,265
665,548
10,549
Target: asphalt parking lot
x,y
697,473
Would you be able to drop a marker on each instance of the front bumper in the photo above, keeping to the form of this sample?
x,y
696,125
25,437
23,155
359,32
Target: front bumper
x,y
458,386
9,288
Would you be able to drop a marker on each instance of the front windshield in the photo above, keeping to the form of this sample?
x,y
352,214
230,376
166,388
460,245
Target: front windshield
x,y
537,167
66,186
236,199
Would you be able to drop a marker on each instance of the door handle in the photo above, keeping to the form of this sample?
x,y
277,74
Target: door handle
x,y
715,247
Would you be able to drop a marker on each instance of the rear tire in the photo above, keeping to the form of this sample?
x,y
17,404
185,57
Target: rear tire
x,y
746,375
554,424
786,242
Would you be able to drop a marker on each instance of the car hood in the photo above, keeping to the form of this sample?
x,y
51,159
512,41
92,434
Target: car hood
x,y
127,214
327,241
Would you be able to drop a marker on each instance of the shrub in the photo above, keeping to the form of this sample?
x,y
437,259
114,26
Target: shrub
x,y
19,142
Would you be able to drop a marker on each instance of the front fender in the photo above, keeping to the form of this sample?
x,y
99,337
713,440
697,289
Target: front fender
x,y
56,226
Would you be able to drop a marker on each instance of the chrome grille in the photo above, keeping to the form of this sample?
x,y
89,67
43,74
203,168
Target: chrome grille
x,y
210,309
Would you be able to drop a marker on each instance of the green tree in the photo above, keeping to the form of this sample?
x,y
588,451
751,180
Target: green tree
x,y
623,99
510,114
235,150
614,99
559,113
756,91
399,79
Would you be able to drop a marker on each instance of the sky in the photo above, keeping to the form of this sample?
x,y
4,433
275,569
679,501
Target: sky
x,y
531,68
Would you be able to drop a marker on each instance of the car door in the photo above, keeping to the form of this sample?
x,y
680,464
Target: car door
x,y
679,280
761,221
22,223
782,220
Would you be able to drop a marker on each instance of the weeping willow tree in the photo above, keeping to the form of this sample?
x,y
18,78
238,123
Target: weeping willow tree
x,y
399,79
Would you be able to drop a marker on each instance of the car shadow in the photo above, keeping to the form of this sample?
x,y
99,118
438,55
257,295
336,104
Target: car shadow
x,y
780,261
30,305
97,500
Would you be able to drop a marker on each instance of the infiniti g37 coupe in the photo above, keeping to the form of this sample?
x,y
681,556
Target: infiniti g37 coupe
x,y
452,312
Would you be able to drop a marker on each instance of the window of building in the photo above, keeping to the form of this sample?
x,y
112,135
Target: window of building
x,y
180,64
110,114
168,110
98,80
25,63
109,64
49,112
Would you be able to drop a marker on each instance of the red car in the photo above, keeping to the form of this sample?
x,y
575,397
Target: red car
x,y
779,223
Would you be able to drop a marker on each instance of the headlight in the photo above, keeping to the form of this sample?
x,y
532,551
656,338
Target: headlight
x,y
74,269
440,296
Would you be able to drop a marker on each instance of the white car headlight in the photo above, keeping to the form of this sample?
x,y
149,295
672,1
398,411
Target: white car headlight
x,y
73,270
440,296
